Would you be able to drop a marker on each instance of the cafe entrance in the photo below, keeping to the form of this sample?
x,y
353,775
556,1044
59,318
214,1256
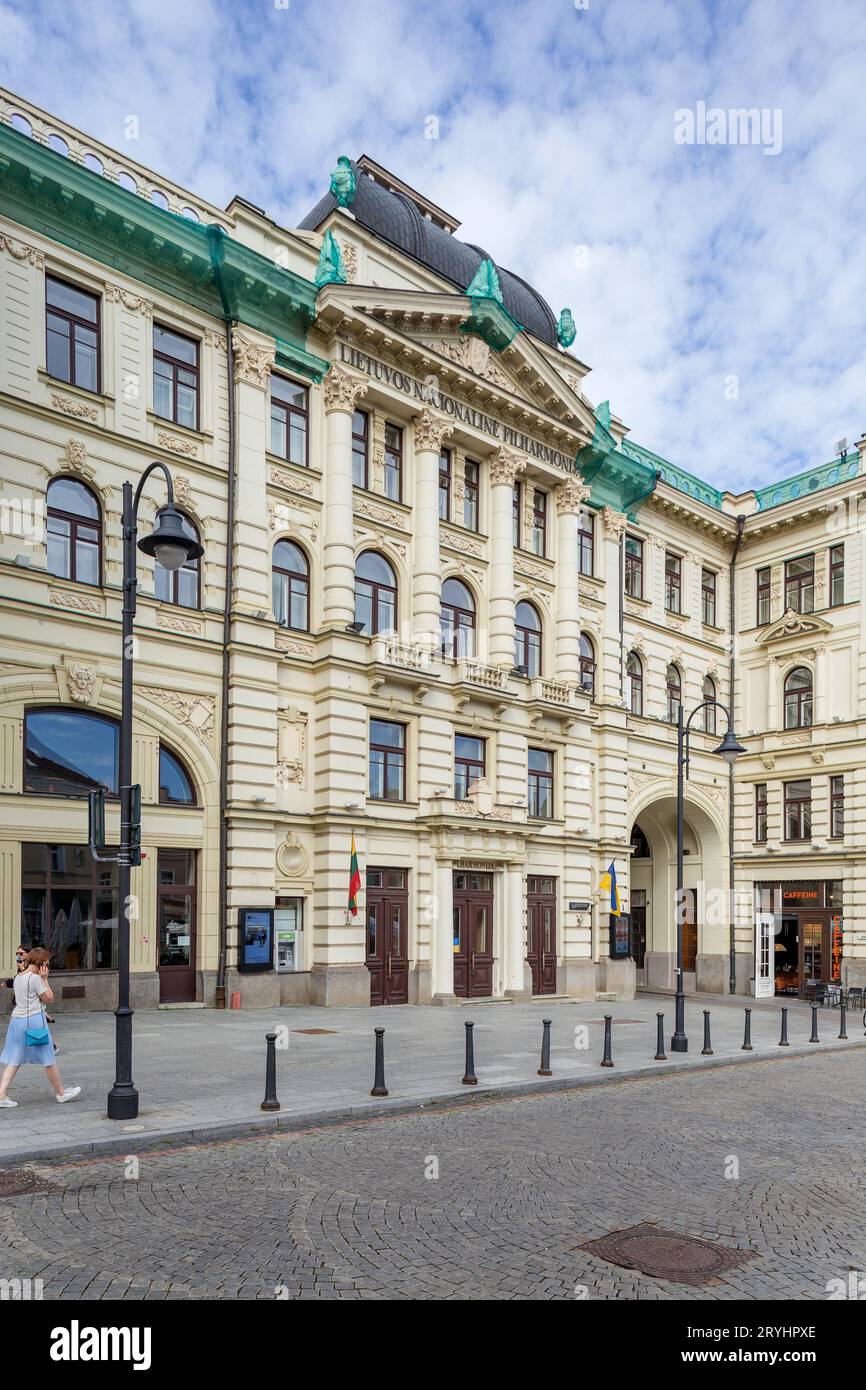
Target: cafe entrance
x,y
473,935
807,935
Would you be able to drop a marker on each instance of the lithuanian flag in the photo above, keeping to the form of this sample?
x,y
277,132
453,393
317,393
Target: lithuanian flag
x,y
354,880
607,884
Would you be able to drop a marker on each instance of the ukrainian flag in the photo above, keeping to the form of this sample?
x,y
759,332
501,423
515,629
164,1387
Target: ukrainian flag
x,y
607,883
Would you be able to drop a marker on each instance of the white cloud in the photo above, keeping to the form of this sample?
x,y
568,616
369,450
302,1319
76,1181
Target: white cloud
x,y
556,130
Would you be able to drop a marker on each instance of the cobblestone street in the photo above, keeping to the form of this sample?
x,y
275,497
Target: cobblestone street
x,y
349,1211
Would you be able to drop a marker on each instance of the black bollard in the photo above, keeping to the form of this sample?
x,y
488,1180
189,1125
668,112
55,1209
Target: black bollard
x,y
783,1040
843,1019
660,1039
747,1035
607,1059
814,1037
544,1069
379,1087
270,1101
707,1050
469,1078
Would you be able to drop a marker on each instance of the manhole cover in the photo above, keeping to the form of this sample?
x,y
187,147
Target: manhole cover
x,y
667,1254
314,1031
18,1182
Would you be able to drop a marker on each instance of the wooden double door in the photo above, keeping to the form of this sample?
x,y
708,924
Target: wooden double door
x,y
473,935
541,933
388,935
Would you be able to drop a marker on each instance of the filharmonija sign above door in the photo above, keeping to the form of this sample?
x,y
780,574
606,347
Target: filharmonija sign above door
x,y
430,394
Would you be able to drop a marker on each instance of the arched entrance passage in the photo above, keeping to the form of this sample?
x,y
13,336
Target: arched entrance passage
x,y
652,896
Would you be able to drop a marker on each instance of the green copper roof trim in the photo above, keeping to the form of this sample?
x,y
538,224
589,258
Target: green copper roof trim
x,y
489,318
804,484
298,360
52,195
616,480
676,477
330,270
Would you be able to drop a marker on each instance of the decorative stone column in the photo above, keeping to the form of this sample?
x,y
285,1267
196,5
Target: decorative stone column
x,y
505,468
612,681
570,497
430,432
442,942
343,390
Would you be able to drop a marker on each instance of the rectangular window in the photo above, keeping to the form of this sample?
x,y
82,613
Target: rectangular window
x,y
516,504
175,377
470,495
762,616
837,807
673,583
761,811
387,760
289,415
798,810
540,786
445,485
586,542
69,906
633,567
837,575
394,463
539,523
72,334
708,597
360,436
800,584
469,764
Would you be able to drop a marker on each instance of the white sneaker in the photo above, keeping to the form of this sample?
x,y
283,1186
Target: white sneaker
x,y
7,1104
69,1094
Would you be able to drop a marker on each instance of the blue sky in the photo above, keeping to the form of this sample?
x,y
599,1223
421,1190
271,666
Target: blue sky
x,y
718,291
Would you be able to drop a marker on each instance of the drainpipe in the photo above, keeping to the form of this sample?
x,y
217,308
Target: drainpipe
x,y
216,237
732,628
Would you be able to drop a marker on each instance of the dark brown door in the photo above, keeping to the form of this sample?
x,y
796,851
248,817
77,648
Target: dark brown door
x,y
175,924
541,933
387,935
690,931
473,935
816,949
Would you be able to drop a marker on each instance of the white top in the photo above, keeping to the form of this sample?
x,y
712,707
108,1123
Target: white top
x,y
28,988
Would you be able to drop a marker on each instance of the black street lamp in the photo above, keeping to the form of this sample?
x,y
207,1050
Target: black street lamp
x,y
171,547
729,749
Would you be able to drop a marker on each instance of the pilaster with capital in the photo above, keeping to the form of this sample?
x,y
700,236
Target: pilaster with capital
x,y
342,392
431,431
569,496
611,675
505,468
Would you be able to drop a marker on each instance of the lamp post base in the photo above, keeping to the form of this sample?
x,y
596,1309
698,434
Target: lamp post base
x,y
122,1103
679,1043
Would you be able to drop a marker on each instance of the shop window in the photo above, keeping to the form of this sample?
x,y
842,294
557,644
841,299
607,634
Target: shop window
x,y
69,906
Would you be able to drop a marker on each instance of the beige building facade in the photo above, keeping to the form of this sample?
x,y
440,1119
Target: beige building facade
x,y
446,608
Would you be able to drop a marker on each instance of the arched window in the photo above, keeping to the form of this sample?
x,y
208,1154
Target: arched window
x,y
527,638
59,145
74,532
182,585
458,619
375,593
175,783
798,698
20,123
634,677
127,181
709,710
674,685
291,586
158,198
587,666
93,163
70,753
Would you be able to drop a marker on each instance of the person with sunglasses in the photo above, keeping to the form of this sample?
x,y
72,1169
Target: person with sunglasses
x,y
27,1037
21,964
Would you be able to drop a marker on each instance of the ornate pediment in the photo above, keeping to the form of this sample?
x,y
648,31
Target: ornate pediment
x,y
793,624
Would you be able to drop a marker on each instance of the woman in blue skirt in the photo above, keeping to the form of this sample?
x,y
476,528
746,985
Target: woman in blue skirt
x,y
32,993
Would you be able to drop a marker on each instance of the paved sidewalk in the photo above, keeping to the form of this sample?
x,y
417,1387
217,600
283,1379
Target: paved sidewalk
x,y
201,1073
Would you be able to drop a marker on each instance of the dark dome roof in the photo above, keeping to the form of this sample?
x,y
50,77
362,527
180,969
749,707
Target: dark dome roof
x,y
395,218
